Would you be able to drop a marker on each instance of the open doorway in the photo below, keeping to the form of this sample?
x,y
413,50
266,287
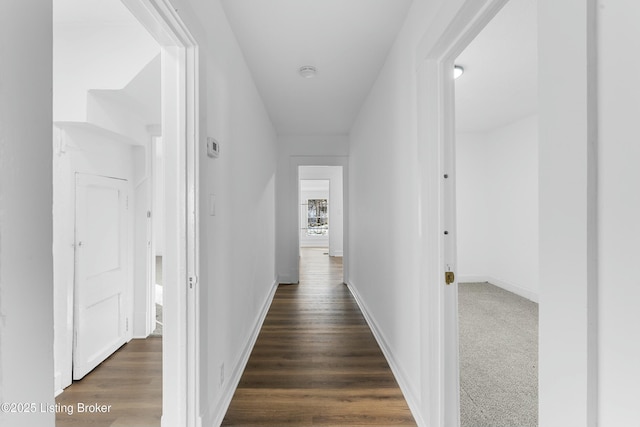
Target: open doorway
x,y
321,216
107,110
439,219
124,90
496,190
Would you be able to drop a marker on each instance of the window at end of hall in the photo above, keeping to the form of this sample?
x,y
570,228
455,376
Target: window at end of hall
x,y
317,217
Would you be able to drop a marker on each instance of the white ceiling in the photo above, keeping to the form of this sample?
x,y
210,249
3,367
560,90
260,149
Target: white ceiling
x,y
88,12
346,40
499,85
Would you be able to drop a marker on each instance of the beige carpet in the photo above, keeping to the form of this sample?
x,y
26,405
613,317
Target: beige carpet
x,y
498,357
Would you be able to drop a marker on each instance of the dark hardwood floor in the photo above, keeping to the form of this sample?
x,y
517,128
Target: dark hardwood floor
x,y
316,362
130,381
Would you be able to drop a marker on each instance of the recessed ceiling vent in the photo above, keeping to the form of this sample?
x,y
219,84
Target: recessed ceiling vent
x,y
308,71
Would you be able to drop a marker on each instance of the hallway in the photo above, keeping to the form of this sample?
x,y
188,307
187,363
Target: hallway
x,y
315,361
259,88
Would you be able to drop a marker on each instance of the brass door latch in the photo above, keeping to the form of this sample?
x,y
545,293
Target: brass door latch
x,y
449,277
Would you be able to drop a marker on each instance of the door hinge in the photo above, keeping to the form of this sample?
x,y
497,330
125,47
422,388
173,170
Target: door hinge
x,y
192,281
127,323
449,277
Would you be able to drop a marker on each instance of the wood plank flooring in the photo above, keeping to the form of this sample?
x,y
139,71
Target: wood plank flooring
x,y
130,381
316,362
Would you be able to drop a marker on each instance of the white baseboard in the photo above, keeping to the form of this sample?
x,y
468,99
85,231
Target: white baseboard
x,y
518,290
140,325
336,253
234,379
472,279
57,383
398,372
287,279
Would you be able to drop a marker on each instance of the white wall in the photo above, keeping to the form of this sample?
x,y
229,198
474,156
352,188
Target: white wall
x,y
568,246
336,202
383,210
384,176
473,206
497,207
237,241
388,119
237,244
143,321
294,151
237,268
95,57
26,266
619,214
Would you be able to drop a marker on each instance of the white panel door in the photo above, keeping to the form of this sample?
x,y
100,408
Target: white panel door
x,y
100,322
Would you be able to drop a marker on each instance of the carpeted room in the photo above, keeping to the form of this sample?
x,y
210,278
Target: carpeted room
x,y
497,221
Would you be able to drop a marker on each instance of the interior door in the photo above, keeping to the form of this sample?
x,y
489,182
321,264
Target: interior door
x,y
100,317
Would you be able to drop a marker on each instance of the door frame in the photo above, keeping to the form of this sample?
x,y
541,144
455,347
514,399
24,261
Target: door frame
x,y
156,139
436,155
180,133
293,253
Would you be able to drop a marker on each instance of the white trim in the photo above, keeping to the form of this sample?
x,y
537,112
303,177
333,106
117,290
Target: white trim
x,y
293,247
57,382
174,260
229,390
412,400
288,279
180,358
436,155
511,287
193,226
472,278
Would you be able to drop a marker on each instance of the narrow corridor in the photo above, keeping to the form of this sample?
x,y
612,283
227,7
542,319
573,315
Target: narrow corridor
x,y
316,361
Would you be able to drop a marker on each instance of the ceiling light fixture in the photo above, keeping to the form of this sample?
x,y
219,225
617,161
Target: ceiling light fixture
x,y
457,71
308,71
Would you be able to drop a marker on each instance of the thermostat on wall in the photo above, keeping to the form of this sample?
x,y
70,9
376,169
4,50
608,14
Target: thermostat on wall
x,y
213,148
